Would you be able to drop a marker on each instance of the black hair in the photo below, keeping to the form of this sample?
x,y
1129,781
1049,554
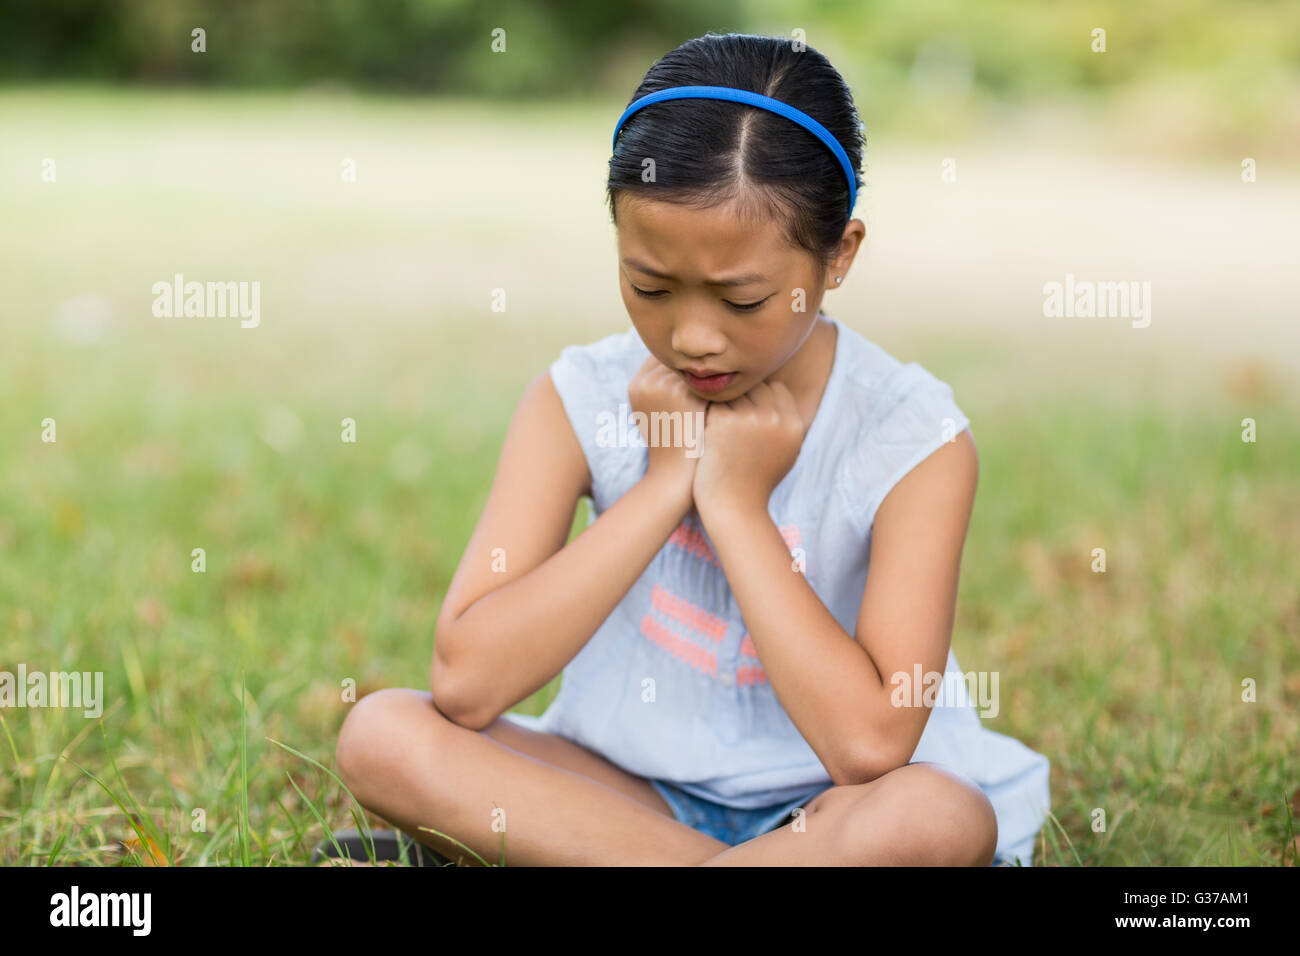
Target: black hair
x,y
710,152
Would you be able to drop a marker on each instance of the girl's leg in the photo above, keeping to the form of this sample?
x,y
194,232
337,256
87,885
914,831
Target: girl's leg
x,y
918,815
558,805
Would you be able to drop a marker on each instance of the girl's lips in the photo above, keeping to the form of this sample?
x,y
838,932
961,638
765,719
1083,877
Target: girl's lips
x,y
711,383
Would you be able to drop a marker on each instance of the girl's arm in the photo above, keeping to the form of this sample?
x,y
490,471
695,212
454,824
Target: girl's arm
x,y
514,617
839,688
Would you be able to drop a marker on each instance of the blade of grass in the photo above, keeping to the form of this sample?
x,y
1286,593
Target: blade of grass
x,y
215,843
1290,831
367,839
1068,842
56,764
329,833
299,832
155,835
22,790
144,840
58,845
245,854
447,836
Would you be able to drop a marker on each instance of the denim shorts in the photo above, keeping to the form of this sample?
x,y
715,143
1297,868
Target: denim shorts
x,y
733,826
730,825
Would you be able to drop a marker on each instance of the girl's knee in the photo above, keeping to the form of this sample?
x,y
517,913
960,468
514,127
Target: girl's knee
x,y
934,817
955,813
377,733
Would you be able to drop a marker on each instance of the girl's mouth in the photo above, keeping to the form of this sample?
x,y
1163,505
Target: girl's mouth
x,y
710,384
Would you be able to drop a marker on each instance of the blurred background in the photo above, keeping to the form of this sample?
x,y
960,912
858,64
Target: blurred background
x,y
380,170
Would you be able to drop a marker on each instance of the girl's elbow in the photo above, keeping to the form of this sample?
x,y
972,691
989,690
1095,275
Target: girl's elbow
x,y
451,695
869,762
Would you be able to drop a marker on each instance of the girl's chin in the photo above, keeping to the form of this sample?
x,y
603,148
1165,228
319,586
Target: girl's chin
x,y
726,395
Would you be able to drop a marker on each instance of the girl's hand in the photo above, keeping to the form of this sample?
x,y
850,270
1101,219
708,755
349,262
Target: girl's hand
x,y
675,443
750,444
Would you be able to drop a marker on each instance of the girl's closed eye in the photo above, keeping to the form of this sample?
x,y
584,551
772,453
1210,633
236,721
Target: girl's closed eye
x,y
738,306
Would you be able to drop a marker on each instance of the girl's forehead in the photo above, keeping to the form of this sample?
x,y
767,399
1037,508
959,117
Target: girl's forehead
x,y
664,231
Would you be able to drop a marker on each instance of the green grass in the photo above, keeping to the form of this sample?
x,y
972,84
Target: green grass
x,y
326,562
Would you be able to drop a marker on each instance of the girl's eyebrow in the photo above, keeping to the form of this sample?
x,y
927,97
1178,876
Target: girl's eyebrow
x,y
726,281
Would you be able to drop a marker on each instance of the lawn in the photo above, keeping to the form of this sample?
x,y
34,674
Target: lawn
x,y
325,561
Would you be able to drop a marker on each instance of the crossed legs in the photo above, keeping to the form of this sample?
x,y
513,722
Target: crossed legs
x,y
558,804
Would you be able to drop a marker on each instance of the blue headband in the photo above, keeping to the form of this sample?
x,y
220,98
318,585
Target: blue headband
x,y
750,99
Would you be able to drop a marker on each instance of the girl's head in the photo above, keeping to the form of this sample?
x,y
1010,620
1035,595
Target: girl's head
x,y
705,193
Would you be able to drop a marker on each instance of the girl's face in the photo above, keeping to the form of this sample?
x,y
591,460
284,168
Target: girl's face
x,y
717,293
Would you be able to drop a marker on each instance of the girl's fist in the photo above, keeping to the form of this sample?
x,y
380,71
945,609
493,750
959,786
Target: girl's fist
x,y
750,443
670,418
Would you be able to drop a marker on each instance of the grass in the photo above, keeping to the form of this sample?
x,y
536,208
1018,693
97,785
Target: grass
x,y
325,562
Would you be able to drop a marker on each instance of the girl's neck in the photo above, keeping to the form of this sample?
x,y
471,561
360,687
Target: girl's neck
x,y
807,373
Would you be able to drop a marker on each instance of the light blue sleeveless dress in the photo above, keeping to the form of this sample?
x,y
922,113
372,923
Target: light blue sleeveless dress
x,y
670,687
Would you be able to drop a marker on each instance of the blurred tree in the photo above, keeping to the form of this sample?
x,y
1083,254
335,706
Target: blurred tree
x,y
1007,48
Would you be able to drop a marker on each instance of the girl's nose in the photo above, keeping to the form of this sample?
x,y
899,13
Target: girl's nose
x,y
694,337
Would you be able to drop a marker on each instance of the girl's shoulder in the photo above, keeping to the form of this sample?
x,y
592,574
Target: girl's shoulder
x,y
592,381
891,416
871,372
608,361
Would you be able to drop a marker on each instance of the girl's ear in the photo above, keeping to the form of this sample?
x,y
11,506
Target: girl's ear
x,y
855,230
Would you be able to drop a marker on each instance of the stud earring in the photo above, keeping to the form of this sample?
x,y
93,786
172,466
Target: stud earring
x,y
839,279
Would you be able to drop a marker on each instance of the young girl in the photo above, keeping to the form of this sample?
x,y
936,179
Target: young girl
x,y
753,627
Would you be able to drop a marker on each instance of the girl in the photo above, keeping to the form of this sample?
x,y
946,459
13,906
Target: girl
x,y
754,629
